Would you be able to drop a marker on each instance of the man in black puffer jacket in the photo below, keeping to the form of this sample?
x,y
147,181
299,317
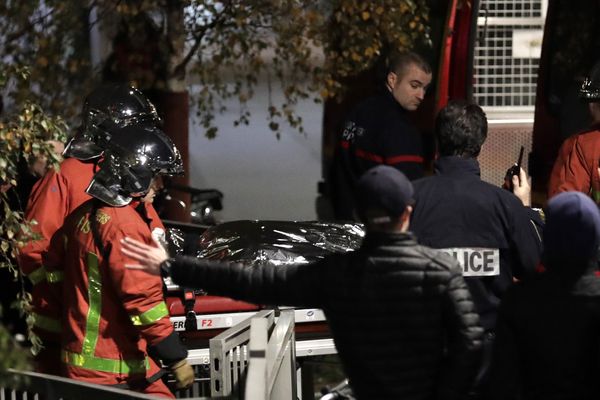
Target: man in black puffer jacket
x,y
400,313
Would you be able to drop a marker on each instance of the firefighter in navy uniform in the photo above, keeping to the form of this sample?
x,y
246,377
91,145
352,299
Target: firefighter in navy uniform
x,y
378,131
493,234
106,109
112,318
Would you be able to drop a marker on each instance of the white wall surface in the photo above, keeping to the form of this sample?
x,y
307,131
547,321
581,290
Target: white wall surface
x,y
260,176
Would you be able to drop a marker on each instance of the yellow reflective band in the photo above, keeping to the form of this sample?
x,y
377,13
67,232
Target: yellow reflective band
x,y
54,277
106,364
37,276
151,316
92,323
47,323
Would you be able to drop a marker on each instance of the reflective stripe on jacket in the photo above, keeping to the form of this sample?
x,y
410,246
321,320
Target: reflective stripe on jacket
x,y
54,197
110,313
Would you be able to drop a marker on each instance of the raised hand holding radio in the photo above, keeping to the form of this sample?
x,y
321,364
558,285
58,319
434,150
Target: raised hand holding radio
x,y
514,170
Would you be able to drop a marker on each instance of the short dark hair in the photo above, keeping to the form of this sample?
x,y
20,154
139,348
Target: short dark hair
x,y
399,61
460,129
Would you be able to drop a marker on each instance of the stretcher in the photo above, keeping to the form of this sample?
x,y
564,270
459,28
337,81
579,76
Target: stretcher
x,y
198,316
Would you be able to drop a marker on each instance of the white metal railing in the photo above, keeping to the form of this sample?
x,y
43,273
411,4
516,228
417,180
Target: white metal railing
x,y
229,355
272,368
256,359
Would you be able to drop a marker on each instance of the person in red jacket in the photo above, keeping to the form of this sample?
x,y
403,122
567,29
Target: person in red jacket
x,y
576,167
113,318
61,191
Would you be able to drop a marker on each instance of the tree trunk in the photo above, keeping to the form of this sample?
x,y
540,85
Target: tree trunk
x,y
174,108
174,104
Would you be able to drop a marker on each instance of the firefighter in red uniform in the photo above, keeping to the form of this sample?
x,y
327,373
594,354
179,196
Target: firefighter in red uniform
x,y
576,167
60,192
113,317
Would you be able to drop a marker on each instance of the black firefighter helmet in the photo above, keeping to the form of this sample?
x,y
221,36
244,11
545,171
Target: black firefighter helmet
x,y
105,110
133,156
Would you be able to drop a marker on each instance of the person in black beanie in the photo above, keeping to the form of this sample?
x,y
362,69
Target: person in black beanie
x,y
548,330
401,315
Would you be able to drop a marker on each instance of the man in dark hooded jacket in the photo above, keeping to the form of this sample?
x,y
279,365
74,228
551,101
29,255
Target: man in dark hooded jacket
x,y
548,329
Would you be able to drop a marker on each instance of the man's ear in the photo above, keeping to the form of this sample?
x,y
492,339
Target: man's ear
x,y
407,212
405,218
391,79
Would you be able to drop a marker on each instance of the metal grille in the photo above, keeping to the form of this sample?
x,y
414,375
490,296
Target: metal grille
x,y
505,79
501,150
512,8
500,79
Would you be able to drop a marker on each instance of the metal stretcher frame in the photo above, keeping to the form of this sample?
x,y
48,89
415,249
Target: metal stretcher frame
x,y
229,319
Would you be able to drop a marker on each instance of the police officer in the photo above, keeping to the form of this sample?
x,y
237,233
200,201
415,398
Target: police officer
x,y
112,318
486,228
378,131
576,167
106,110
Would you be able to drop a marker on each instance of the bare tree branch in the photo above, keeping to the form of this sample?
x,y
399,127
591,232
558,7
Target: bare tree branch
x,y
199,35
27,28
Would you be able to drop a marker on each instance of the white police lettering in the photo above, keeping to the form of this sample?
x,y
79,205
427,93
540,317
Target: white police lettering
x,y
476,261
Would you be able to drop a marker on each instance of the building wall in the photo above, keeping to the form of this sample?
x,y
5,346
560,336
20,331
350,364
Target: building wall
x,y
261,177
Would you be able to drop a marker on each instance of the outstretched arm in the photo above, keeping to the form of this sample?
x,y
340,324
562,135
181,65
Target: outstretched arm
x,y
297,285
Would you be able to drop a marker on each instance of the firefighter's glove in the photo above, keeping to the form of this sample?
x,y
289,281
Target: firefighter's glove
x,y
183,373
